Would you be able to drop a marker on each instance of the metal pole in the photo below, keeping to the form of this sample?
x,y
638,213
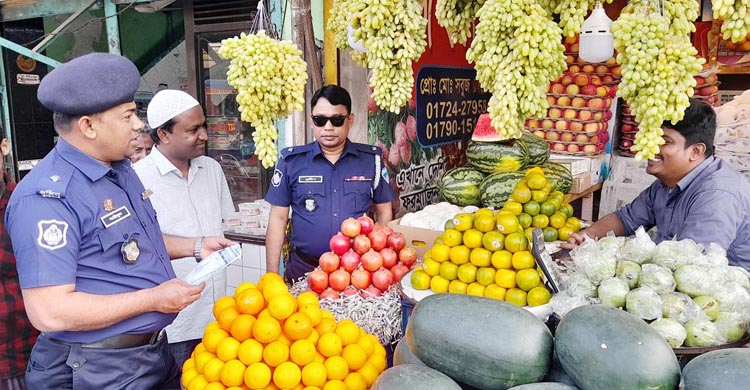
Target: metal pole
x,y
54,34
113,27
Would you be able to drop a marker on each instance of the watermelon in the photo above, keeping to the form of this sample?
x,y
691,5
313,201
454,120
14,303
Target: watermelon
x,y
719,369
484,131
460,186
538,148
560,176
413,377
496,188
492,157
545,386
403,355
603,347
482,342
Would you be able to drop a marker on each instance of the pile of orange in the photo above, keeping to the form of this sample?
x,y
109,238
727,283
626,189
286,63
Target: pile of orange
x,y
265,338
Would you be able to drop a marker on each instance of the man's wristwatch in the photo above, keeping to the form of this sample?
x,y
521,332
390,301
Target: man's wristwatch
x,y
197,249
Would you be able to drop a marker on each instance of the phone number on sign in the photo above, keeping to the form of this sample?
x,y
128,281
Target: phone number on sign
x,y
450,109
449,128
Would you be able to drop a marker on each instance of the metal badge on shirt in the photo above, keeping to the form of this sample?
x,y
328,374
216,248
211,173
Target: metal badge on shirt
x,y
52,234
130,251
310,205
115,216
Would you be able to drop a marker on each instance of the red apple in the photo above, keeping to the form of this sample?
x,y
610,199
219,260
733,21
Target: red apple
x,y
366,224
554,113
616,71
589,90
582,79
598,115
557,88
710,79
627,128
561,125
361,278
594,139
585,115
532,123
596,103
573,69
563,101
590,149
602,90
574,47
573,148
408,256
539,133
372,261
551,100
596,80
329,293
396,241
398,271
602,69
608,79
567,137
361,244
578,102
570,40
707,91
570,113
612,61
350,227
548,124
382,279
318,280
558,147
350,260
390,257
570,59
575,126
572,89
377,239
566,79
339,244
591,128
552,136
582,138
588,68
329,262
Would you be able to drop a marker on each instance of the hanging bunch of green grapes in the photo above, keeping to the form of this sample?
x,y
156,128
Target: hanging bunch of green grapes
x,y
270,78
682,13
572,13
457,17
393,34
516,52
736,18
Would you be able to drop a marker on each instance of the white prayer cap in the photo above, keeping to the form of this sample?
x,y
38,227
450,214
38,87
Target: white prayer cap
x,y
167,104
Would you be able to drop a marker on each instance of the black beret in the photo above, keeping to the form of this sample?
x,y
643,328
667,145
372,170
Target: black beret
x,y
89,84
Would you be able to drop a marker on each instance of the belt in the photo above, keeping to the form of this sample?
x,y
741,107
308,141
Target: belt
x,y
309,260
122,341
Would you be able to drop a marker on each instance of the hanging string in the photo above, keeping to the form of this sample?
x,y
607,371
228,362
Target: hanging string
x,y
262,21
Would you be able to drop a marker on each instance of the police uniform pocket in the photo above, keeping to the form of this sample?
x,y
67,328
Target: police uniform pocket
x,y
310,197
121,241
357,195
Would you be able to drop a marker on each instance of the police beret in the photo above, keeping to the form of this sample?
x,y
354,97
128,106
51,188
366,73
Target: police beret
x,y
89,84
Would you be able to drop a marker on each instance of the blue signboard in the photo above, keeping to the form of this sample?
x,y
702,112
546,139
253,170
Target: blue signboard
x,y
449,101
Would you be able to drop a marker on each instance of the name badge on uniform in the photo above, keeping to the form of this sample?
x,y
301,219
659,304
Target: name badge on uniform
x,y
310,179
310,205
130,251
52,234
116,216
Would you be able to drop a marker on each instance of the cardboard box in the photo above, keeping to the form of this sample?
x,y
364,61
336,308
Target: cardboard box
x,y
418,238
576,165
581,183
600,168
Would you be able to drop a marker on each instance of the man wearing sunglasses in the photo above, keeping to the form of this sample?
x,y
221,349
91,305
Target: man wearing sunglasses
x,y
324,182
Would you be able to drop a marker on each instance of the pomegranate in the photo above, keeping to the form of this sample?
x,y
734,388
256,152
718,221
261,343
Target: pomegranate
x,y
398,271
388,231
351,290
382,279
339,244
361,244
350,261
390,258
329,262
377,239
366,224
408,256
318,280
329,293
350,227
397,241
371,291
372,261
361,278
339,279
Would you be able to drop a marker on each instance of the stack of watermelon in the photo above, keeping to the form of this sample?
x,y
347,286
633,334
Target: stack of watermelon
x,y
495,167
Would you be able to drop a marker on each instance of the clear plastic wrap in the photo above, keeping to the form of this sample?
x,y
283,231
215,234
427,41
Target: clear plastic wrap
x,y
714,256
694,280
594,262
672,253
629,271
578,284
645,303
638,248
611,243
657,277
735,299
612,292
680,307
564,301
703,333
738,275
671,330
731,326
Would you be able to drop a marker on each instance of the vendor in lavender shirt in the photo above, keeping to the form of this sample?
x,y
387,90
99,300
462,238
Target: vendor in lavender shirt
x,y
697,196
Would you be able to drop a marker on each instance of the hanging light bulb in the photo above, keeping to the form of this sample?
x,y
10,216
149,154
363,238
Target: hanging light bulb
x,y
596,43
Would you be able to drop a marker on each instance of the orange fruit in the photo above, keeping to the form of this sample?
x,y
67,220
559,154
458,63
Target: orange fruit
x,y
199,382
307,297
452,237
459,254
227,349
521,194
531,208
548,208
348,331
335,385
274,288
302,352
564,233
275,353
536,181
493,241
516,296
457,287
298,326
268,277
211,326
282,306
473,238
475,289
189,363
431,267
242,327
495,292
336,367
485,223
257,376
501,259
525,220
549,234
480,257
507,223
355,381
330,344
369,372
557,220
439,284
221,304
312,310
505,278
211,339
326,325
420,280
514,207
467,273
201,359
540,221
522,260
314,374
378,361
266,329
287,375
242,287
212,370
313,337
538,296
226,318
215,386
187,376
526,279
486,276
250,301
250,351
232,373
367,344
448,270
355,356
283,339
516,242
463,221
539,196
440,252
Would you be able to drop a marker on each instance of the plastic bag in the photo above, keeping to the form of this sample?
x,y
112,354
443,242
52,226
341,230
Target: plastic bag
x,y
731,326
671,330
734,298
657,277
611,243
579,285
564,301
629,271
702,333
694,280
680,307
594,262
738,275
639,248
672,253
714,256
612,292
645,303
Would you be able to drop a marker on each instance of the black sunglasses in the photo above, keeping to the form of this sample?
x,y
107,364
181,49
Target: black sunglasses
x,y
336,120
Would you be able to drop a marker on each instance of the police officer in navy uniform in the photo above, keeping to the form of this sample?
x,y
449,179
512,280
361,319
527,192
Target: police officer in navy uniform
x,y
94,267
324,182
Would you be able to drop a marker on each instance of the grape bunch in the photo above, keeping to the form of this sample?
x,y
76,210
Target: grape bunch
x,y
517,52
682,13
270,78
657,72
572,13
736,18
457,17
393,32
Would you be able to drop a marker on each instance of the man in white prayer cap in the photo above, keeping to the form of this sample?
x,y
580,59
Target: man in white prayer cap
x,y
190,195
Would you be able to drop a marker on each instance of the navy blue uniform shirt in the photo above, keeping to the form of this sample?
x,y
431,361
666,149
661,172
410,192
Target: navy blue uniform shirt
x,y
74,220
322,194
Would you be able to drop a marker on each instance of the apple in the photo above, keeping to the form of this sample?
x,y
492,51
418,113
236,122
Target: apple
x,y
626,144
711,79
707,91
585,115
573,69
575,126
552,136
596,103
617,71
602,69
594,139
627,128
561,125
582,138
699,81
602,91
570,40
574,47
603,126
570,59
596,80
573,148
598,116
589,90
563,101
554,113
581,79
539,133
591,128
566,79
588,68
570,113
572,89
608,79
626,110
578,102
601,137
557,88
548,124
607,115
590,149
551,100
567,137
558,147
612,61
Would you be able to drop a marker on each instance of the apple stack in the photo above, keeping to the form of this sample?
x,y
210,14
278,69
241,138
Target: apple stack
x,y
365,259
707,88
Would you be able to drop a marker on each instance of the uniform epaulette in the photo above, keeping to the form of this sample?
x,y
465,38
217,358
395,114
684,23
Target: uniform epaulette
x,y
365,148
293,150
55,184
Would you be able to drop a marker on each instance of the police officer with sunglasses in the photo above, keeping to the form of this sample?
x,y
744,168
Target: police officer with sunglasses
x,y
324,183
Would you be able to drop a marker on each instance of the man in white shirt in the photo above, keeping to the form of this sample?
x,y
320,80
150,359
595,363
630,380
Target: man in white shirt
x,y
190,195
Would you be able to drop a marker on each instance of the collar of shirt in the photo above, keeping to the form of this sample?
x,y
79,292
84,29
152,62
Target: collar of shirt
x,y
348,148
692,175
165,166
89,166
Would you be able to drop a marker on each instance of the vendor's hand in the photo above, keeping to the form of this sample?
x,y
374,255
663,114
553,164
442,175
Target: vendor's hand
x,y
213,244
175,295
574,240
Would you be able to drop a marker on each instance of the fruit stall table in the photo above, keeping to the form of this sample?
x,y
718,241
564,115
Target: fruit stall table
x,y
587,203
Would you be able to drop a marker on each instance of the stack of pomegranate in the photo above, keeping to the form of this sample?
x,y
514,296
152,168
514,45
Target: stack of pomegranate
x,y
365,259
